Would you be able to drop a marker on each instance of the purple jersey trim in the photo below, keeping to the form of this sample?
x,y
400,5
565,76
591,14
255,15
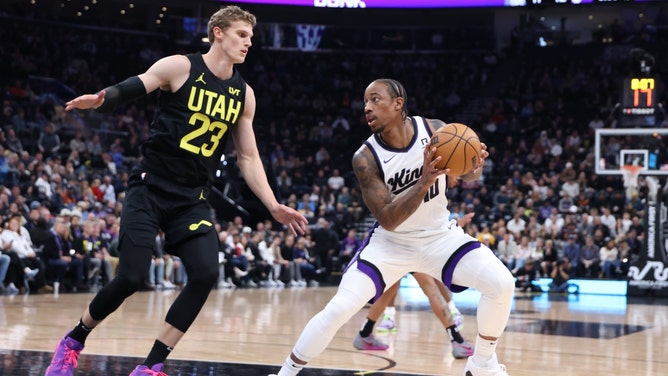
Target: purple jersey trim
x,y
449,268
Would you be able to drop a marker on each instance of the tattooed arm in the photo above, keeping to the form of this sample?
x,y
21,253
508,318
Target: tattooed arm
x,y
390,212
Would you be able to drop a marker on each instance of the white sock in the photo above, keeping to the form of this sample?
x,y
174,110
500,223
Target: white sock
x,y
290,368
390,311
484,351
453,307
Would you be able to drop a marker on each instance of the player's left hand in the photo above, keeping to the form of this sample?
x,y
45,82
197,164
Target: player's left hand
x,y
294,220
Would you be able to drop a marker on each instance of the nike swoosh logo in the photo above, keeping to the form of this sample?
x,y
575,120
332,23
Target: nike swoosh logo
x,y
195,226
389,159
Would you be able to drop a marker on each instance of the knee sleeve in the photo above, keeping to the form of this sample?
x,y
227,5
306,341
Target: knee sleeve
x,y
190,301
481,270
200,258
354,291
111,296
133,268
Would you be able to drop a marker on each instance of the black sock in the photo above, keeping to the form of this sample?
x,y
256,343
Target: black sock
x,y
158,354
367,329
80,332
454,334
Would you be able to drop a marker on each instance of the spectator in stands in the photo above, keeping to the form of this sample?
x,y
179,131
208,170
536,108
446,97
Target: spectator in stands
x,y
348,247
634,244
561,273
60,256
486,234
608,220
239,262
572,251
77,143
49,141
94,149
335,182
609,256
225,254
570,188
525,251
24,261
80,242
109,236
287,252
596,122
517,224
340,220
567,204
99,250
262,266
267,255
325,243
4,266
13,141
108,190
507,249
637,226
526,276
550,255
284,183
589,259
282,267
344,197
304,262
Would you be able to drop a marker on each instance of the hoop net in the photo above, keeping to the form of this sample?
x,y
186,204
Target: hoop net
x,y
630,174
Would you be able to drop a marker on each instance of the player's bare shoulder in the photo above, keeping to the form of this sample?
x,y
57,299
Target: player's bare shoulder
x,y
364,164
374,191
169,73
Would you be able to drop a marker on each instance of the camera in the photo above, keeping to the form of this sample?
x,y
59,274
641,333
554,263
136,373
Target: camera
x,y
72,252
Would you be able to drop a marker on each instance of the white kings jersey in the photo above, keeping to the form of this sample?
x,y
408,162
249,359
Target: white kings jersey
x,y
400,169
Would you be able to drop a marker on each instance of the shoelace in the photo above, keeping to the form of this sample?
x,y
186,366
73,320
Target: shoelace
x,y
70,359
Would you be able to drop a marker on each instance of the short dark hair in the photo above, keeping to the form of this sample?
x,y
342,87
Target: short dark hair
x,y
396,90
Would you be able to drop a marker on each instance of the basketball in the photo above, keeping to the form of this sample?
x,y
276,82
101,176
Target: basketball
x,y
458,146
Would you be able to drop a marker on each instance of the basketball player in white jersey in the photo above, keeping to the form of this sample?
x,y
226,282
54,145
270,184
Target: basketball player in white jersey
x,y
413,232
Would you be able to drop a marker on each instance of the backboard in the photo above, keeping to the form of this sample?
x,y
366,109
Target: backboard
x,y
646,147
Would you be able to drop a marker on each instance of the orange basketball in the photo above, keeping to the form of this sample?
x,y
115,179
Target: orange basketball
x,y
459,148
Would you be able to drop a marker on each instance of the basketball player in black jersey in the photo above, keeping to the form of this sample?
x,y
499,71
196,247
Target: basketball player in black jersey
x,y
202,101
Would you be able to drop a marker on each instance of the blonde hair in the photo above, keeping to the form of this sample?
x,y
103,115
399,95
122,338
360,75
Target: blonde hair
x,y
224,17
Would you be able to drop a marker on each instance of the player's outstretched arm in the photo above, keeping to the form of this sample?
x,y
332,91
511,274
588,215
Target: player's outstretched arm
x,y
252,169
168,73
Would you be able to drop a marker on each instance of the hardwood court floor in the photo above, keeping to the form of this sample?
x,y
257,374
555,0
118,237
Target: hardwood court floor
x,y
250,332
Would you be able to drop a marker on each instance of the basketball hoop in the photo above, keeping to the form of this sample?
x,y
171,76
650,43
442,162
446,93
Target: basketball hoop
x,y
630,175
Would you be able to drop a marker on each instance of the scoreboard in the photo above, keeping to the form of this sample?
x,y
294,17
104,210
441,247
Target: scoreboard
x,y
638,105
